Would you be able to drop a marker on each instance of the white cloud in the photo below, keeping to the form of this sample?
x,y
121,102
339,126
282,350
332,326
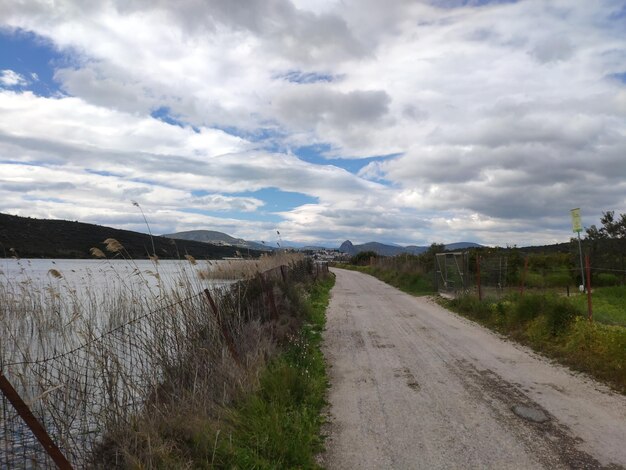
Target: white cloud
x,y
502,114
10,78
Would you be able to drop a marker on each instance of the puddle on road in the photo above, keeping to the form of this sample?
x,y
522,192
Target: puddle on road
x,y
532,414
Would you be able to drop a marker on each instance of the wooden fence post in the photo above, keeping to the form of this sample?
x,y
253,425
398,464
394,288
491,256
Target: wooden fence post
x,y
230,343
33,424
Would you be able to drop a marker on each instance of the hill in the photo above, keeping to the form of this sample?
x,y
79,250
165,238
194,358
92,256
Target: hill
x,y
45,238
394,250
217,238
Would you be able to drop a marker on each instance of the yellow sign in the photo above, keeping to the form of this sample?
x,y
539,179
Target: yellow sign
x,y
577,225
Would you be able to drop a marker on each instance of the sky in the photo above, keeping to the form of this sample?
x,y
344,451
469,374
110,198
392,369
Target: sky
x,y
407,122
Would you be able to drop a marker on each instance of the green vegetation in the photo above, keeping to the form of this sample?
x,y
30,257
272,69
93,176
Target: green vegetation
x,y
554,326
414,283
363,258
609,305
278,426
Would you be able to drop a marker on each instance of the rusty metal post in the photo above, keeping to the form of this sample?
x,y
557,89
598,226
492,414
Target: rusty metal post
x,y
230,343
589,306
480,291
33,424
523,279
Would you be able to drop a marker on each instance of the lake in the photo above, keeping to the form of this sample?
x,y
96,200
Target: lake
x,y
113,275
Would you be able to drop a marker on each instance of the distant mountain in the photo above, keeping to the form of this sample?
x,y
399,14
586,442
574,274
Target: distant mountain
x,y
381,248
394,250
43,238
462,246
217,238
349,248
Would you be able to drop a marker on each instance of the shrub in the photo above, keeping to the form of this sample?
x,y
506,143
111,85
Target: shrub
x,y
363,258
558,312
472,306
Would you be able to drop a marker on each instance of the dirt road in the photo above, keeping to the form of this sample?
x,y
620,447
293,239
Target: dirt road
x,y
415,386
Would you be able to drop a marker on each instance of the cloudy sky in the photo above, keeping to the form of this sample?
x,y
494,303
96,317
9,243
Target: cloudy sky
x,y
398,121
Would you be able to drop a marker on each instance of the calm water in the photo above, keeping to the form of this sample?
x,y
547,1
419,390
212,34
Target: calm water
x,y
113,275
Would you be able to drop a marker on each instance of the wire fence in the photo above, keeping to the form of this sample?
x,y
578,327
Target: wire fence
x,y
85,397
497,277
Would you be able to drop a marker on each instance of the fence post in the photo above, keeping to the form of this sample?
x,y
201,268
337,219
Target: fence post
x,y
37,429
523,279
269,297
480,291
589,306
230,343
283,272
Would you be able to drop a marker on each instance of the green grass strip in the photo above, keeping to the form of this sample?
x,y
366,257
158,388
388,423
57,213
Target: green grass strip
x,y
279,425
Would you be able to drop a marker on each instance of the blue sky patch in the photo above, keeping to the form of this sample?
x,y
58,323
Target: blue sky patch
x,y
33,57
315,154
618,14
618,76
277,200
103,173
164,114
297,76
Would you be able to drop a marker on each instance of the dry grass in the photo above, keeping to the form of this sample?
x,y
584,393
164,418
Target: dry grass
x,y
129,374
248,269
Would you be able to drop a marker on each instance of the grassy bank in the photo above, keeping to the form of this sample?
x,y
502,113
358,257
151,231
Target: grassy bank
x,y
411,283
554,326
274,420
278,426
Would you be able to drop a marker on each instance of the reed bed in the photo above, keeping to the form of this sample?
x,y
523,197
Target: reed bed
x,y
107,370
248,269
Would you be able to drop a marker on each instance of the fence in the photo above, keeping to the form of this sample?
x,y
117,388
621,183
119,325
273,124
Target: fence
x,y
402,263
70,408
498,276
451,273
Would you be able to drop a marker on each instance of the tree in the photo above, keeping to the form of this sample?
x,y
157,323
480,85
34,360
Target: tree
x,y
612,228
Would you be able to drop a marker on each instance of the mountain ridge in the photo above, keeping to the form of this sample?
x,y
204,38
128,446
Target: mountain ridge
x,y
28,237
383,249
217,238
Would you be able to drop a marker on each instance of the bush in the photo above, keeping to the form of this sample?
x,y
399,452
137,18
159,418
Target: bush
x,y
597,349
472,306
363,258
558,312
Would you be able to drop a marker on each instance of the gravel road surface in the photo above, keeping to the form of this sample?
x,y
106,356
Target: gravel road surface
x,y
415,386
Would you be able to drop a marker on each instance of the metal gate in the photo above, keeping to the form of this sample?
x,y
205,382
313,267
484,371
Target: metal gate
x,y
452,273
